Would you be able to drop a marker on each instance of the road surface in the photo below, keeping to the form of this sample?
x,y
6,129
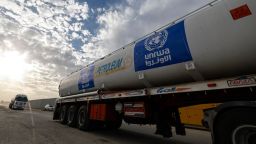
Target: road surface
x,y
37,127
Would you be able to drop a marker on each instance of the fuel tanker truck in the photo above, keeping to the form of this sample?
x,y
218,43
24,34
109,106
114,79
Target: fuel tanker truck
x,y
198,71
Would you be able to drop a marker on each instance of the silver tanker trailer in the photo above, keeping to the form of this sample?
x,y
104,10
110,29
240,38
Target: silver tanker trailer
x,y
198,71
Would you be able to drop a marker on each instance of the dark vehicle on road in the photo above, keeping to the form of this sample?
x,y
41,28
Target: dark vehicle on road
x,y
19,102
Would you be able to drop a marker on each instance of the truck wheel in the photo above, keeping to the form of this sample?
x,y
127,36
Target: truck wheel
x,y
236,126
63,114
71,120
83,122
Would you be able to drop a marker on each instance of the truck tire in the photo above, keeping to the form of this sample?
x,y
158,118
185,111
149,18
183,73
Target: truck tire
x,y
63,114
236,126
83,121
10,106
71,116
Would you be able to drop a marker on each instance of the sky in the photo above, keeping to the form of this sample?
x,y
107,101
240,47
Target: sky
x,y
42,41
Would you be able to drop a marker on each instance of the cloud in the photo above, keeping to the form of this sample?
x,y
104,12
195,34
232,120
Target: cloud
x,y
43,30
123,24
100,10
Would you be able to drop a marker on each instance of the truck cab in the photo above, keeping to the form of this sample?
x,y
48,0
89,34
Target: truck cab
x,y
19,102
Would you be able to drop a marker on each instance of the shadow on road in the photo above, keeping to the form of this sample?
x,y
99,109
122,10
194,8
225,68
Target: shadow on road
x,y
45,129
130,137
134,137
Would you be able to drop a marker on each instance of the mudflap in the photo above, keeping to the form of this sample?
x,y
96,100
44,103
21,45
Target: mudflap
x,y
56,113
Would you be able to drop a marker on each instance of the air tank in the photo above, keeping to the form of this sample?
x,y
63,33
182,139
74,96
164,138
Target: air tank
x,y
216,42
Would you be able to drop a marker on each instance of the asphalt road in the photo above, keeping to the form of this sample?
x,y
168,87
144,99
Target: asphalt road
x,y
37,127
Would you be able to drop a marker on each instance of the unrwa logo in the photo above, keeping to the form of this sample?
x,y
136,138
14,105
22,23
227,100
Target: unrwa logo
x,y
156,41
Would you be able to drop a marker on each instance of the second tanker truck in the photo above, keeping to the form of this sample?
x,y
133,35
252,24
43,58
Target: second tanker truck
x,y
198,71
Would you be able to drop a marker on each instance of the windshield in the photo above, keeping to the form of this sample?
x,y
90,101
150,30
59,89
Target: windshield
x,y
20,98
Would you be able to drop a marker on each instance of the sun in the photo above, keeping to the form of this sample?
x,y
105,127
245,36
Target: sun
x,y
13,66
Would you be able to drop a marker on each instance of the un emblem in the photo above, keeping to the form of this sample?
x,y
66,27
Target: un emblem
x,y
156,41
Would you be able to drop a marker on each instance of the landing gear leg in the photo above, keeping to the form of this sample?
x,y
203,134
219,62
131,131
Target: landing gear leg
x,y
163,123
166,119
179,127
